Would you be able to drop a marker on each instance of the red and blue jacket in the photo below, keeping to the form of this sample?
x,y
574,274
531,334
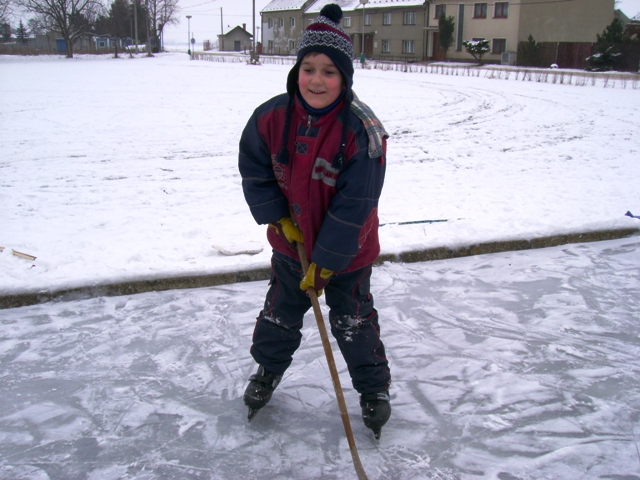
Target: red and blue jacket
x,y
335,204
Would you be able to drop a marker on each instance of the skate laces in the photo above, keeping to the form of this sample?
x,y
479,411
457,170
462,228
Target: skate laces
x,y
375,397
265,377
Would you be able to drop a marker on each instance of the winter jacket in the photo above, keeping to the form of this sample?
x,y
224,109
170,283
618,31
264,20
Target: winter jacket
x,y
334,203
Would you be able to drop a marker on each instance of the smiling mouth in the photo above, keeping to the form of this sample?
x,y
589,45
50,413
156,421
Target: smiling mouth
x,y
316,92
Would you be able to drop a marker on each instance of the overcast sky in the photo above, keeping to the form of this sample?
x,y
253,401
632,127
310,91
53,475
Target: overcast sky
x,y
205,21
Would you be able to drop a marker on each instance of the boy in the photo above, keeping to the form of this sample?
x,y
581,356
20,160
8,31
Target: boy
x,y
312,163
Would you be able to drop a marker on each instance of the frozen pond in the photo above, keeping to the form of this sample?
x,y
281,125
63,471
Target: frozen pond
x,y
519,365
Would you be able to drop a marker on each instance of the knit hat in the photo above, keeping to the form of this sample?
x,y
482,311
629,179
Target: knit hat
x,y
326,36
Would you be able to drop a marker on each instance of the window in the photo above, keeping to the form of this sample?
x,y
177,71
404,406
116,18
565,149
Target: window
x,y
408,46
292,45
292,21
386,18
367,19
270,44
499,45
346,22
281,22
502,10
271,23
409,18
479,10
440,10
386,46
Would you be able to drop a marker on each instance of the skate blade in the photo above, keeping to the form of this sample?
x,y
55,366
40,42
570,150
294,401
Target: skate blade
x,y
252,413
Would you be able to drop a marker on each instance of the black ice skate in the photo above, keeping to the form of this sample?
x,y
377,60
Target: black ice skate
x,y
376,411
258,392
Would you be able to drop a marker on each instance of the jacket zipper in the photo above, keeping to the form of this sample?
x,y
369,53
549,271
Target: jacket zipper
x,y
308,126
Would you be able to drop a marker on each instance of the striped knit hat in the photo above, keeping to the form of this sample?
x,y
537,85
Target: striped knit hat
x,y
326,36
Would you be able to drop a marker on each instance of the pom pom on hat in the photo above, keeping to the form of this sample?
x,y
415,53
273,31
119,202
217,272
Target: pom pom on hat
x,y
333,12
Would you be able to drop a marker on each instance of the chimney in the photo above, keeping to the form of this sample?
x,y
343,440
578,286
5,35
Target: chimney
x,y
244,26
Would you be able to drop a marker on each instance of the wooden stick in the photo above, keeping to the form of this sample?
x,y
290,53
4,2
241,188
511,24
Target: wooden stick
x,y
332,368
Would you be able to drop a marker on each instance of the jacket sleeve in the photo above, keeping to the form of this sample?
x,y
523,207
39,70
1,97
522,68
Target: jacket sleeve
x,y
261,191
352,211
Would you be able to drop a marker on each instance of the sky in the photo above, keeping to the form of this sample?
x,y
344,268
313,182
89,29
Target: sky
x,y
205,21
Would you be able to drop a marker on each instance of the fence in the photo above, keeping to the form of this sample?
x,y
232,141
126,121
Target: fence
x,y
578,78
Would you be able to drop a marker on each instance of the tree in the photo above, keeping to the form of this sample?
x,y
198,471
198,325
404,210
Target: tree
x,y
5,10
446,26
607,56
530,53
22,36
71,19
477,48
161,14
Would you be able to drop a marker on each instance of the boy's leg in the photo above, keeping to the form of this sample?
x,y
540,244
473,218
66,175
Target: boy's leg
x,y
277,332
354,324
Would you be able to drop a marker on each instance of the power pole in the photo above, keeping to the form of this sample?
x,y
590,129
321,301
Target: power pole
x,y
254,27
221,46
135,16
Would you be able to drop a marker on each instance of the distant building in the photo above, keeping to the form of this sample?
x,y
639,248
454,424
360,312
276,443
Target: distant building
x,y
408,29
236,40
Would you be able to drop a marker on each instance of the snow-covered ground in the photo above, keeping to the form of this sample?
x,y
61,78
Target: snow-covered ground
x,y
517,365
125,169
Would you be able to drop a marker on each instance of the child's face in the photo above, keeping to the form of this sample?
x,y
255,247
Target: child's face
x,y
319,80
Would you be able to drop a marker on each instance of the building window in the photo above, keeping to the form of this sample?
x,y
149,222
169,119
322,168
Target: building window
x,y
499,45
281,22
440,10
292,21
346,22
479,10
386,18
502,10
292,45
271,23
408,46
409,18
270,44
386,46
367,19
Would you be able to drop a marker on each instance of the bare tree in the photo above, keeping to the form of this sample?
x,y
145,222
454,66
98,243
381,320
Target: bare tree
x,y
5,9
161,14
70,18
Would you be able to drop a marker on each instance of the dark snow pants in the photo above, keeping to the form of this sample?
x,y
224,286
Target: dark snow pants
x,y
354,323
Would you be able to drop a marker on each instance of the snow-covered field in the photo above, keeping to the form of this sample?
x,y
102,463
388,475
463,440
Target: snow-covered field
x,y
519,365
124,169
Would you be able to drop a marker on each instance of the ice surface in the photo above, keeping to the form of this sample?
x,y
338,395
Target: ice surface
x,y
519,365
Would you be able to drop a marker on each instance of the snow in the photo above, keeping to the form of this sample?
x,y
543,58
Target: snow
x,y
511,365
126,169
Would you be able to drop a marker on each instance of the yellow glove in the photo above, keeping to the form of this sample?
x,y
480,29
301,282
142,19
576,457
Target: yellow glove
x,y
316,278
287,230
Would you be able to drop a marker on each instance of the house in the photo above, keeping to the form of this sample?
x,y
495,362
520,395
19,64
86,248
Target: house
x,y
505,24
282,26
408,29
236,40
382,29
